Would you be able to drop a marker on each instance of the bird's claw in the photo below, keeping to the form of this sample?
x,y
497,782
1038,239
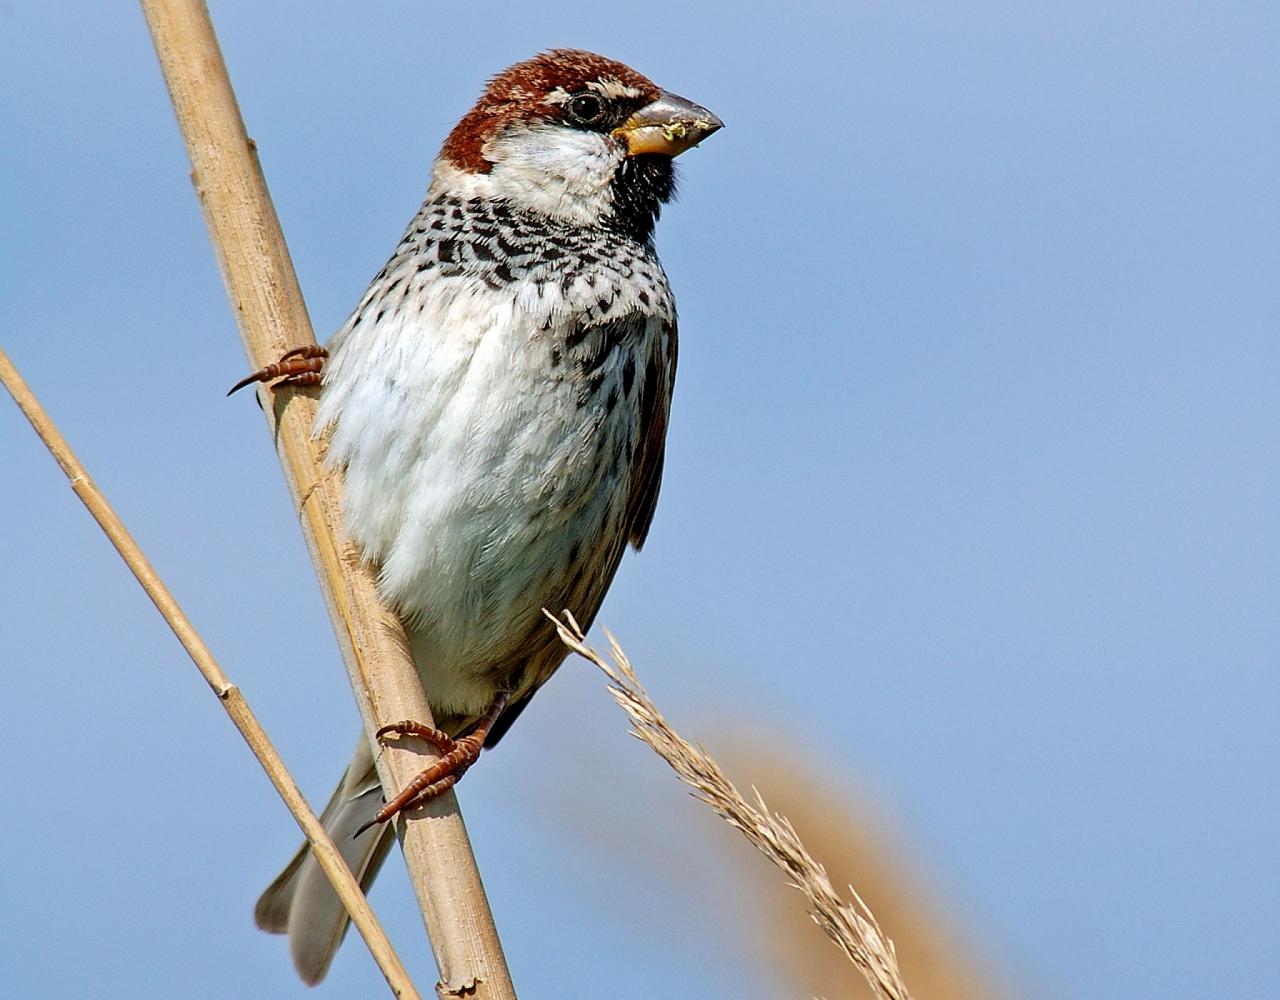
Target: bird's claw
x,y
456,756
438,738
300,367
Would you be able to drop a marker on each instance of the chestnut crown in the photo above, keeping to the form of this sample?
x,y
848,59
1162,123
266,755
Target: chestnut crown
x,y
570,87
576,137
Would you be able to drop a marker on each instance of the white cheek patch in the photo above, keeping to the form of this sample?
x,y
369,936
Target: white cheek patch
x,y
562,172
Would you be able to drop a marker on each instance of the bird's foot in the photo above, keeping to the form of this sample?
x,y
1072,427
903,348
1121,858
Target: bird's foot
x,y
456,756
300,367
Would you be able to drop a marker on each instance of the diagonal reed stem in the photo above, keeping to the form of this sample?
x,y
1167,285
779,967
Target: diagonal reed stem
x,y
272,317
237,708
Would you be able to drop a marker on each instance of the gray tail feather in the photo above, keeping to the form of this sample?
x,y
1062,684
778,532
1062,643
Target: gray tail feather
x,y
300,902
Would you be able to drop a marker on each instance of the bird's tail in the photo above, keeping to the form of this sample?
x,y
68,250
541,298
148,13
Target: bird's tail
x,y
300,902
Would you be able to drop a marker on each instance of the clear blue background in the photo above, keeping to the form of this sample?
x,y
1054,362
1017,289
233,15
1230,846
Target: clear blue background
x,y
973,485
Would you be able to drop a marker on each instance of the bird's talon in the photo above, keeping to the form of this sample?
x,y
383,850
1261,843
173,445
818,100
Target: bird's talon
x,y
456,757
299,367
365,826
442,741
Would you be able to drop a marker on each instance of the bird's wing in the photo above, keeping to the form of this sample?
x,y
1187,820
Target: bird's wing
x,y
655,409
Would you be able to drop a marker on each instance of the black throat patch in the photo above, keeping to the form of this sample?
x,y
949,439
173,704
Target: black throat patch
x,y
641,186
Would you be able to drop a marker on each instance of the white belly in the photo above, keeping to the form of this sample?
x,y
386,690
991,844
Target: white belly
x,y
475,472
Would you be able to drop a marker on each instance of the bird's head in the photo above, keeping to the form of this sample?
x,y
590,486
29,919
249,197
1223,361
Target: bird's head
x,y
574,136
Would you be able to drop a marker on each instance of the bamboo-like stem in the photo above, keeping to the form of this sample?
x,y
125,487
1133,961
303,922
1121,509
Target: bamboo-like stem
x,y
272,318
326,852
851,926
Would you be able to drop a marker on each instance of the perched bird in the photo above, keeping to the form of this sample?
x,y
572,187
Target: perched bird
x,y
498,401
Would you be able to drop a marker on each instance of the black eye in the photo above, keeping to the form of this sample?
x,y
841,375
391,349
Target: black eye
x,y
586,109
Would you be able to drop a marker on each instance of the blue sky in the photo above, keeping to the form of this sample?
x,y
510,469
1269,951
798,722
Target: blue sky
x,y
972,485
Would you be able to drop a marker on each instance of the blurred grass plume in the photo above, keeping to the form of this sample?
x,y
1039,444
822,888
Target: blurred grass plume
x,y
850,925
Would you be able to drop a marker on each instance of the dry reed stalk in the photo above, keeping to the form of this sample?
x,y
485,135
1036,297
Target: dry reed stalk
x,y
229,695
941,966
851,926
272,318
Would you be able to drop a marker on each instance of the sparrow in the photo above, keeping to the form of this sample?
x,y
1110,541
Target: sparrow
x,y
498,402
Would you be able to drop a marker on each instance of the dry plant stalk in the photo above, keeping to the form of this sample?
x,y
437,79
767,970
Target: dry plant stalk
x,y
326,852
272,318
851,926
941,963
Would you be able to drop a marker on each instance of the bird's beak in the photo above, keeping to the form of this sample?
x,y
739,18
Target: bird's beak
x,y
668,126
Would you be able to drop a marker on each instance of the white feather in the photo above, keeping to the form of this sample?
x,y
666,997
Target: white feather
x,y
563,173
470,471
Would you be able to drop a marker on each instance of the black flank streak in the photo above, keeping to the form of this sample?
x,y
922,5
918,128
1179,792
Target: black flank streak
x,y
629,375
577,336
505,248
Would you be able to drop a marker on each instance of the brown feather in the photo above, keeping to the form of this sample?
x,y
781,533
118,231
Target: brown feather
x,y
517,94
